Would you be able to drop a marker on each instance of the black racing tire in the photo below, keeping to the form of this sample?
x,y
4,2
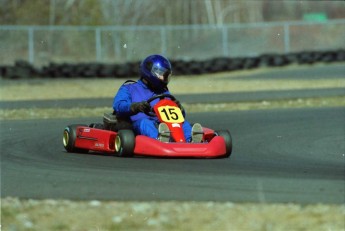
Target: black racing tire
x,y
125,143
228,141
69,137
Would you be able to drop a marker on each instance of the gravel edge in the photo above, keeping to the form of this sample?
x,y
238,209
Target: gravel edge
x,y
29,214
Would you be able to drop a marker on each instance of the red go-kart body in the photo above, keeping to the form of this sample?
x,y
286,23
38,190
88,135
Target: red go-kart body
x,y
83,138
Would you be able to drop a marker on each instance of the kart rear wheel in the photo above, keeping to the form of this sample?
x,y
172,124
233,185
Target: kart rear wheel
x,y
125,143
228,141
69,137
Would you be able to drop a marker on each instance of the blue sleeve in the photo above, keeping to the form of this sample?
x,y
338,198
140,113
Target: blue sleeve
x,y
122,102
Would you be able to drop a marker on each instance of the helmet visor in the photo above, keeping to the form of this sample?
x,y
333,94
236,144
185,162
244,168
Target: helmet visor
x,y
161,73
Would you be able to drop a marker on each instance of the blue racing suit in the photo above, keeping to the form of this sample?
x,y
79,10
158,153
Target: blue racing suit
x,y
142,123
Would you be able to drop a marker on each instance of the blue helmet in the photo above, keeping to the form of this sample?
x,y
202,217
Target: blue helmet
x,y
156,70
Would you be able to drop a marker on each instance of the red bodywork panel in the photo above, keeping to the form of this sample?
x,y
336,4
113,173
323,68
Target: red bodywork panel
x,y
168,112
99,140
151,147
95,139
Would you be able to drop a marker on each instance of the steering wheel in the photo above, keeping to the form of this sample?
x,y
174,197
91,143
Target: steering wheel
x,y
160,96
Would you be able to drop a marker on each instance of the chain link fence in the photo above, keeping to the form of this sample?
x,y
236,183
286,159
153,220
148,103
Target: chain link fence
x,y
41,45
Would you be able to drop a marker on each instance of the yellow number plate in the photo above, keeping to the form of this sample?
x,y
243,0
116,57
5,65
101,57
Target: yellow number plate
x,y
171,114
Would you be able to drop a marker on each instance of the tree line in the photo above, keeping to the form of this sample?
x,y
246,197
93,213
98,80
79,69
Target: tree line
x,y
160,12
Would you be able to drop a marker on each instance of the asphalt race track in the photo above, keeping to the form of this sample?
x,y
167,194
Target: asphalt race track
x,y
290,155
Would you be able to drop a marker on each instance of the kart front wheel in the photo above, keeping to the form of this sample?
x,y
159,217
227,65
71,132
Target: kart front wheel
x,y
124,143
69,137
228,141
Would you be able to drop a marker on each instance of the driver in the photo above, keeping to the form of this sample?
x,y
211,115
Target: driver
x,y
130,101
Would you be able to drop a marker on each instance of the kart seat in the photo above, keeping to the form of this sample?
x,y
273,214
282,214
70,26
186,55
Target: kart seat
x,y
114,123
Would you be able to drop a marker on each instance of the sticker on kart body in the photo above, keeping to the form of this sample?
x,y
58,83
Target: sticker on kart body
x,y
101,145
170,114
175,125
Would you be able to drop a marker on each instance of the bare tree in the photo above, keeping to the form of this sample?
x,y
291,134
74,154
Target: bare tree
x,y
163,12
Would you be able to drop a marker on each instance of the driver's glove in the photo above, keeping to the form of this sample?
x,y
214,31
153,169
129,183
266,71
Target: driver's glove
x,y
140,107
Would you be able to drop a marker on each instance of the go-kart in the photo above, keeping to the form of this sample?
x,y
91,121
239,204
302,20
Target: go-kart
x,y
116,137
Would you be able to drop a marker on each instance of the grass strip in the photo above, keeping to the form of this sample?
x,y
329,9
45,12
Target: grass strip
x,y
51,113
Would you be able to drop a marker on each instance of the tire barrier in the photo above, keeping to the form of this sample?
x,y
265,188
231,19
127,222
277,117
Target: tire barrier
x,y
23,69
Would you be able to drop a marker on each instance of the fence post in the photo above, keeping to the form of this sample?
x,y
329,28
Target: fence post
x,y
225,41
163,40
286,38
98,40
31,54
